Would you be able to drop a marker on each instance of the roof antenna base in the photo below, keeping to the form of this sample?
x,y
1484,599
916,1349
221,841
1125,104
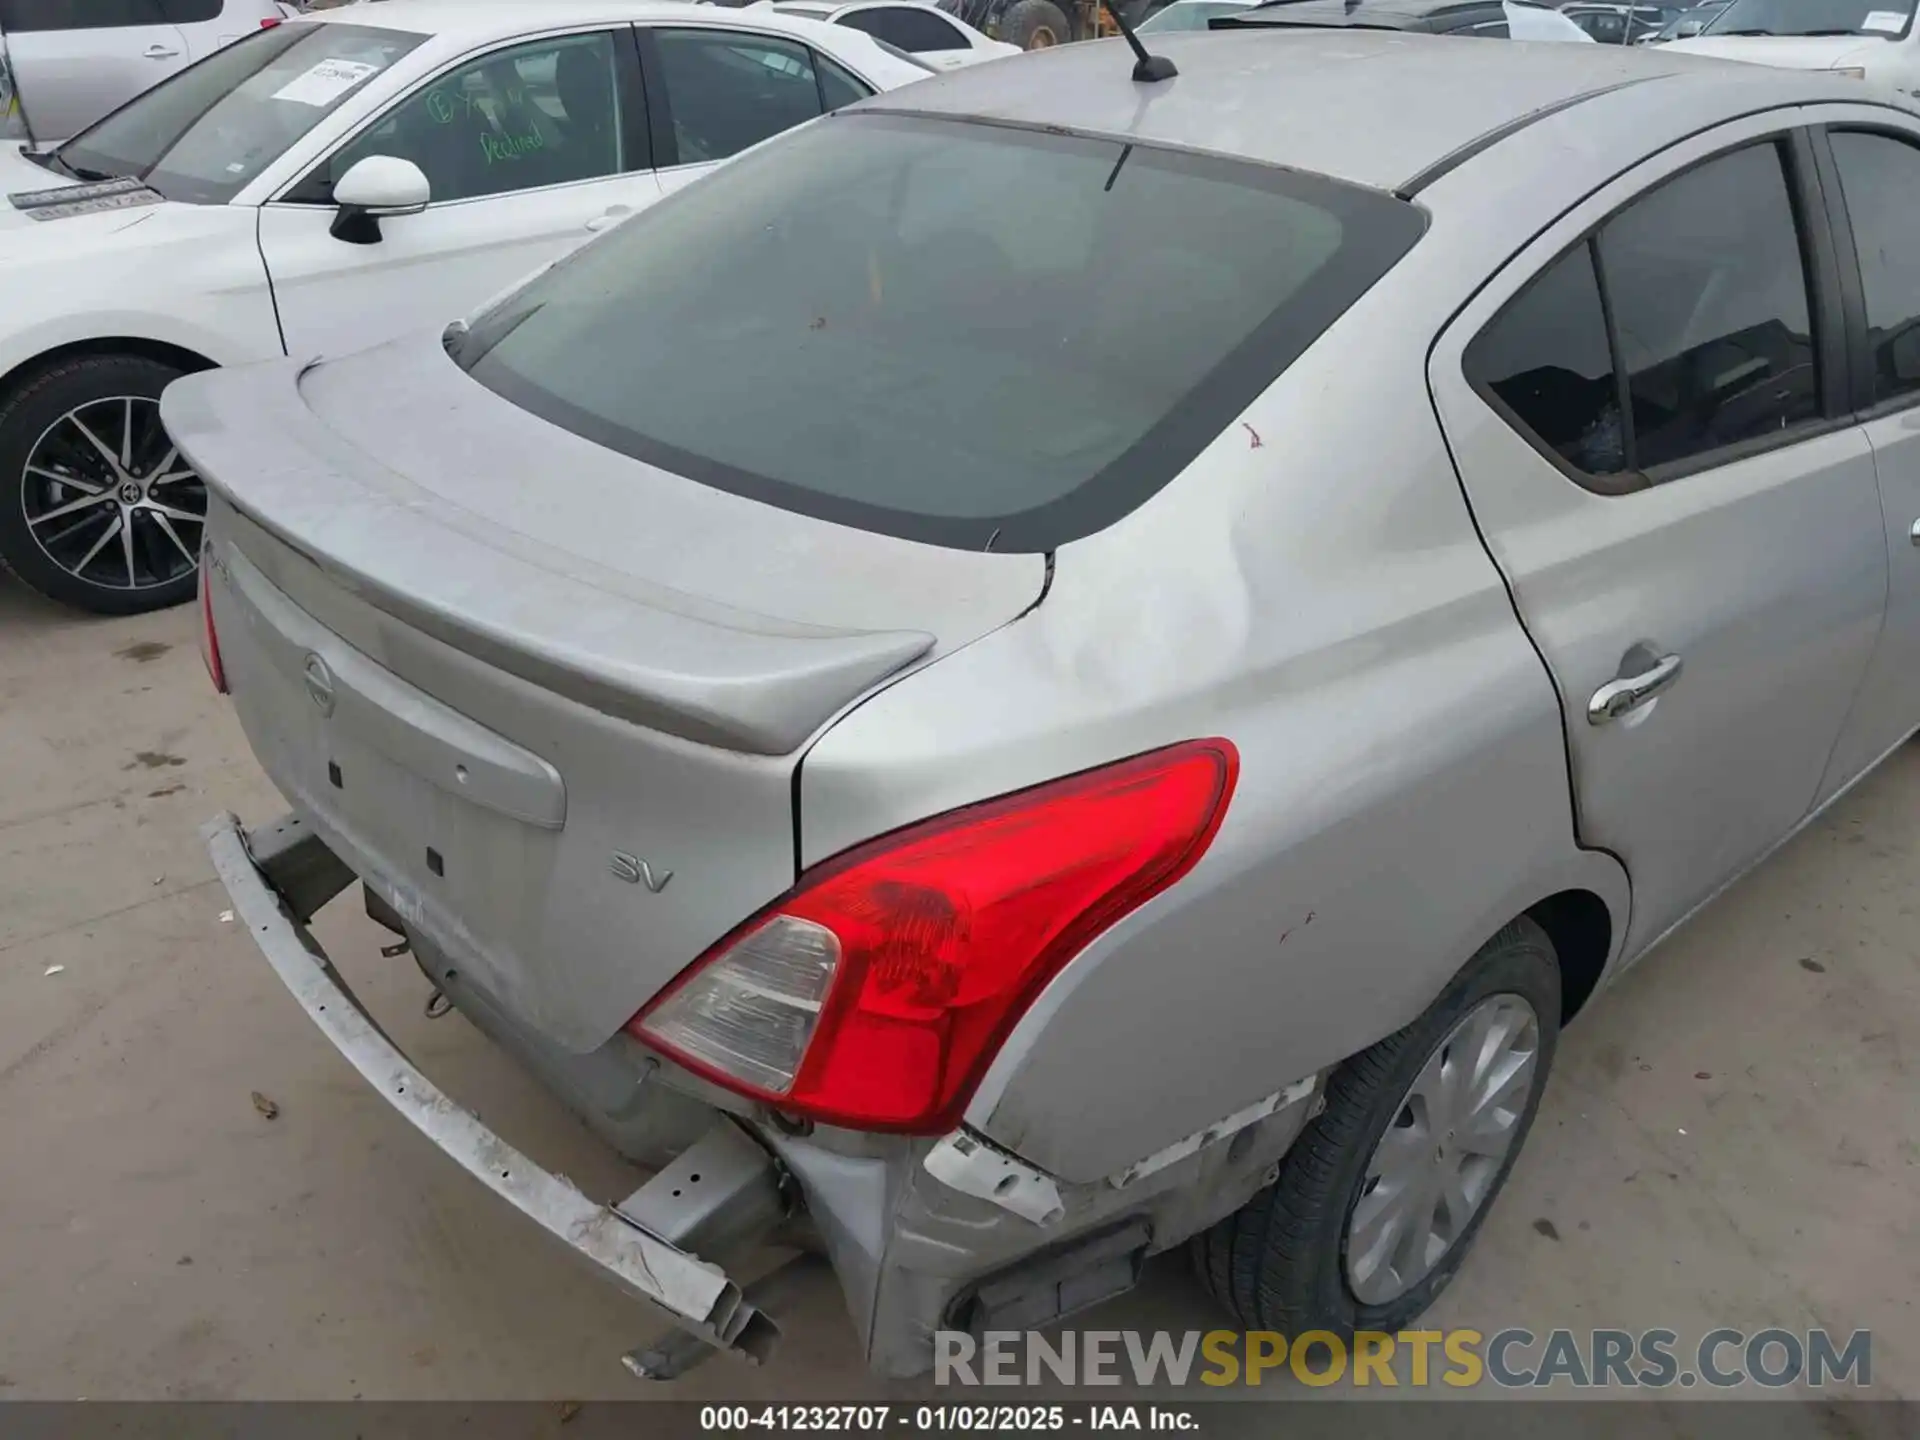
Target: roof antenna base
x,y
1146,68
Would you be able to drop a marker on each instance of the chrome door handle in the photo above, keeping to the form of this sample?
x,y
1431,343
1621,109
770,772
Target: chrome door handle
x,y
1618,697
1913,532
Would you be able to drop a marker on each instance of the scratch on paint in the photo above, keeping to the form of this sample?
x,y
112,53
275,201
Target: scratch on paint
x,y
1257,442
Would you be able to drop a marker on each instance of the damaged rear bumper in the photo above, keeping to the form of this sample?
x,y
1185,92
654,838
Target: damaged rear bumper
x,y
275,892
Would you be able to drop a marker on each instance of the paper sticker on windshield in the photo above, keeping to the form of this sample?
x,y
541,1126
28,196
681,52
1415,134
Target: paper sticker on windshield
x,y
325,82
1884,22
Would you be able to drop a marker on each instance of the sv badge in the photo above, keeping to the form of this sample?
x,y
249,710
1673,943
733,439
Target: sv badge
x,y
636,871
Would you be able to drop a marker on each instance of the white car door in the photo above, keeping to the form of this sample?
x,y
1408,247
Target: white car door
x,y
713,91
75,60
528,149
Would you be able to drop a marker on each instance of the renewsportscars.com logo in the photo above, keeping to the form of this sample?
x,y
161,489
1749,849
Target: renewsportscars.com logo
x,y
1512,1358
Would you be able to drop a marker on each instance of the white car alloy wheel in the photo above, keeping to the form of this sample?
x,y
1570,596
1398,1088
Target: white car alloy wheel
x,y
108,499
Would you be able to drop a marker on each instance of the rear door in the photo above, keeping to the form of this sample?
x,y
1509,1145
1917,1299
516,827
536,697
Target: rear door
x,y
1874,181
75,60
529,149
713,92
1648,411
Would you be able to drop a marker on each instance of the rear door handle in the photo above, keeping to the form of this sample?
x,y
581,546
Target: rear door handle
x,y
161,52
1913,532
1622,696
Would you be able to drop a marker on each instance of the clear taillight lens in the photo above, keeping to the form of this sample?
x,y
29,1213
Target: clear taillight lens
x,y
876,992
752,1009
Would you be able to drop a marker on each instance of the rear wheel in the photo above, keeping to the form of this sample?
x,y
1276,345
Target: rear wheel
x,y
1036,25
1378,1201
97,509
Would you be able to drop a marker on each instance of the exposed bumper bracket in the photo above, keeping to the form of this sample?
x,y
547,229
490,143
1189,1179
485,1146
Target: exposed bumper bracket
x,y
697,1295
297,866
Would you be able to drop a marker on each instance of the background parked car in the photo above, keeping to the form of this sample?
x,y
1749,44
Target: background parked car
x,y
320,186
1620,24
1477,19
75,60
1686,24
1866,39
923,31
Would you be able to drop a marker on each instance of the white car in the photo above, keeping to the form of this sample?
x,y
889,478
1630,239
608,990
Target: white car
x,y
323,185
73,61
920,30
1871,40
1473,19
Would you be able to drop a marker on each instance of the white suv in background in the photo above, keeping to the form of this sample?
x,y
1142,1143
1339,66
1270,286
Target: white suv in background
x,y
72,61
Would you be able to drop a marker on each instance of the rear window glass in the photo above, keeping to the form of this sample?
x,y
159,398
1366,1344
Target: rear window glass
x,y
966,334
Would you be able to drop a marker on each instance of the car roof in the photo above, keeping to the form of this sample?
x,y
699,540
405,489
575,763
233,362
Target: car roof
x,y
1299,98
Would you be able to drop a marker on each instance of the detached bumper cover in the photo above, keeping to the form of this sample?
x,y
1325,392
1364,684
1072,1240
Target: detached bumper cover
x,y
696,1295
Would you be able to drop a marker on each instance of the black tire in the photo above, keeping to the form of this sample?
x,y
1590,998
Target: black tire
x,y
27,414
1279,1262
1035,25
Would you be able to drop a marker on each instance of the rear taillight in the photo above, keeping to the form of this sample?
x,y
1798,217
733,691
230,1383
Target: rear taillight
x,y
209,640
876,992
270,21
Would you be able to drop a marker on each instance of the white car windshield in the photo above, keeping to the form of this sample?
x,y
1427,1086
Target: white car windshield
x,y
1888,19
204,134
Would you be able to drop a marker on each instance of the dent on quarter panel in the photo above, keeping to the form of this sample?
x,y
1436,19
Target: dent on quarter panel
x,y
1402,773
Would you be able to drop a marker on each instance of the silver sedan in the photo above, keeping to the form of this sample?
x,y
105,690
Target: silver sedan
x,y
1061,664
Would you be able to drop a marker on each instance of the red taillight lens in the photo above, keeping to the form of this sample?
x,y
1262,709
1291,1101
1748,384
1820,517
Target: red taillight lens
x,y
876,992
209,640
270,21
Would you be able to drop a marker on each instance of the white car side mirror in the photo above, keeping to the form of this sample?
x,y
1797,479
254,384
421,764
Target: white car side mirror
x,y
376,186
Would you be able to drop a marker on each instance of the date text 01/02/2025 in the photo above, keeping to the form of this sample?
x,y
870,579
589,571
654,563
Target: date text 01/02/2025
x,y
722,1419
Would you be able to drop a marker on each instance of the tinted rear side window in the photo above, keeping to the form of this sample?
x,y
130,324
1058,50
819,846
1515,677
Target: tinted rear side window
x,y
1711,328
1881,177
1709,300
958,333
1545,358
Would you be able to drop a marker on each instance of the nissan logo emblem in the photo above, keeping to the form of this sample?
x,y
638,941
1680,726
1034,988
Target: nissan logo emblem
x,y
319,681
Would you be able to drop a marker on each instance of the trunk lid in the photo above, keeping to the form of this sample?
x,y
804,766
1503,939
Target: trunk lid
x,y
547,700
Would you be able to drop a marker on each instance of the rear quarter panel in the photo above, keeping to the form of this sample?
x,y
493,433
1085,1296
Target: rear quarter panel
x,y
1313,589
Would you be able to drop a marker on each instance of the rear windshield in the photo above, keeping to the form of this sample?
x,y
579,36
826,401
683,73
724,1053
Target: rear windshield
x,y
967,334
